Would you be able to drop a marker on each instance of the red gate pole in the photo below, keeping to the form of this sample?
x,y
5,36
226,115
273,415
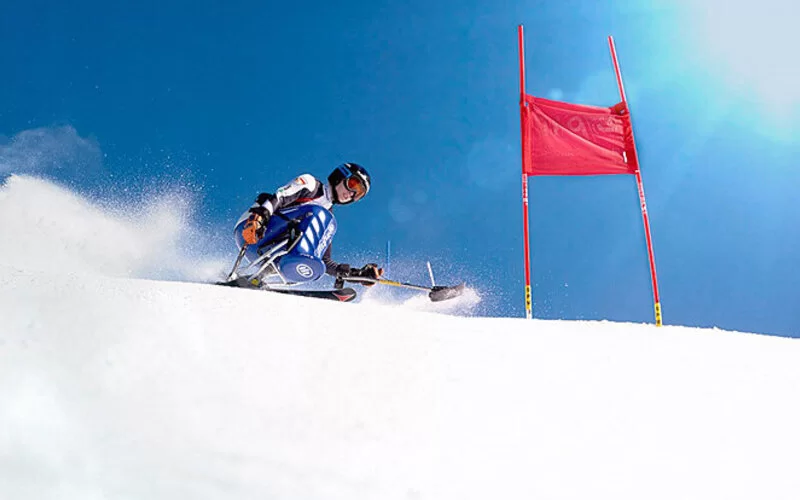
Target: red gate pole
x,y
640,186
525,160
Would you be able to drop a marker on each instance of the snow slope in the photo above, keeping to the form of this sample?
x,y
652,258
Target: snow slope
x,y
117,387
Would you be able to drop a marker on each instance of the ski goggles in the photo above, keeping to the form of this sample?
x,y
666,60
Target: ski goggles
x,y
356,185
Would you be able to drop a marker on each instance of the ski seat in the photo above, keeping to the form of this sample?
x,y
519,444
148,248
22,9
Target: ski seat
x,y
293,244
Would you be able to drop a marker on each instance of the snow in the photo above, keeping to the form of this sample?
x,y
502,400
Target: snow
x,y
118,387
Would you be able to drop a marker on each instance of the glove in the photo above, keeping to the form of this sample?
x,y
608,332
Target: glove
x,y
371,271
343,271
254,228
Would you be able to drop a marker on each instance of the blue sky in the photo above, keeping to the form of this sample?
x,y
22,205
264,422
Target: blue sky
x,y
233,98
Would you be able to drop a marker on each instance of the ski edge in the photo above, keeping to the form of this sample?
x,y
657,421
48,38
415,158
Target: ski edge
x,y
340,295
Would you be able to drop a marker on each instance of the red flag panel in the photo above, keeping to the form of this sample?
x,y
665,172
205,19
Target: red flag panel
x,y
560,138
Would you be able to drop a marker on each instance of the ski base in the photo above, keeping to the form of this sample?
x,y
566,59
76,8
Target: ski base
x,y
343,295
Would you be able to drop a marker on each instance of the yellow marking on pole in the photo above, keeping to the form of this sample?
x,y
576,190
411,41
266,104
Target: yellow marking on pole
x,y
658,314
528,302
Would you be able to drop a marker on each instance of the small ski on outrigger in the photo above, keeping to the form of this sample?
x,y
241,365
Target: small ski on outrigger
x,y
435,293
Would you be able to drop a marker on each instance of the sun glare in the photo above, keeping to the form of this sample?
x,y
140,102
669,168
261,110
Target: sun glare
x,y
755,48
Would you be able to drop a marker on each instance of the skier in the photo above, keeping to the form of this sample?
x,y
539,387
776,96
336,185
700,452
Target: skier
x,y
347,184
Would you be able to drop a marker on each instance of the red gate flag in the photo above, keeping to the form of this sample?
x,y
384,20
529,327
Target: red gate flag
x,y
560,138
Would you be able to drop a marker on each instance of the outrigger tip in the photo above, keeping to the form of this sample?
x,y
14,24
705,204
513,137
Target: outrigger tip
x,y
440,293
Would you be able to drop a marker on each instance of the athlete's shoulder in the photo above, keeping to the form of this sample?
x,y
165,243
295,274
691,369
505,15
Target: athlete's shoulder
x,y
306,180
